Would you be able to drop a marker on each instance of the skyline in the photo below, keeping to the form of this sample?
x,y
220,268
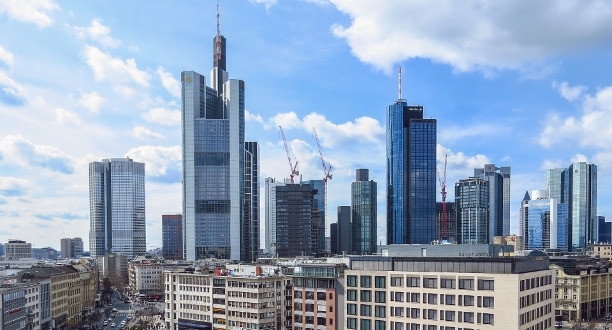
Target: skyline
x,y
103,88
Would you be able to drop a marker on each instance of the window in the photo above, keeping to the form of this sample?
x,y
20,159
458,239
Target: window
x,y
488,302
365,310
366,325
399,296
468,317
449,299
399,311
351,280
380,311
320,295
351,309
414,326
398,326
449,315
380,325
351,323
297,294
432,314
366,281
432,298
487,318
397,281
415,313
351,295
432,327
380,296
485,285
366,295
415,297
466,284
447,283
310,295
468,300
413,282
380,282
431,283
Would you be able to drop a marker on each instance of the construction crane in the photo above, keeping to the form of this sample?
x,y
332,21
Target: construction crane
x,y
327,168
294,168
442,181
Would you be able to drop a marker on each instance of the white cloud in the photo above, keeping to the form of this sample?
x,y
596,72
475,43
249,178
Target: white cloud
x,y
6,57
106,67
98,32
33,11
63,116
92,101
474,34
163,116
158,160
267,3
591,129
14,187
172,85
10,92
569,93
578,158
19,150
459,165
287,120
251,117
144,133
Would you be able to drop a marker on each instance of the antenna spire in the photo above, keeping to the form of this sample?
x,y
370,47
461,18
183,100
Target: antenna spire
x,y
400,83
218,18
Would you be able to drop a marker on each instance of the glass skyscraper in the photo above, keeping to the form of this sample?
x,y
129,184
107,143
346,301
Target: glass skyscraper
x,y
411,175
499,198
319,186
117,207
364,212
172,236
251,200
547,223
213,163
472,205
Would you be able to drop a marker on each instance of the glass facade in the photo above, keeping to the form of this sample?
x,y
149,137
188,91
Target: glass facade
x,y
499,198
364,214
547,225
472,205
319,186
411,175
605,230
251,200
172,236
117,207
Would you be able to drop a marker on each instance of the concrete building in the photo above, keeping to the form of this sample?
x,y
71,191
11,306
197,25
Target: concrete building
x,y
172,236
17,249
498,179
146,275
13,312
433,293
71,247
117,207
364,213
445,250
228,299
113,266
603,251
512,240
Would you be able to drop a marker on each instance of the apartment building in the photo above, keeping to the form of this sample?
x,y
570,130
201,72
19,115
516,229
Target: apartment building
x,y
226,298
436,293
603,251
17,249
146,275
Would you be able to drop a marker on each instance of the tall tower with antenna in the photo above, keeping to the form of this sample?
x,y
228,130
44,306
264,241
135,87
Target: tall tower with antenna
x,y
218,75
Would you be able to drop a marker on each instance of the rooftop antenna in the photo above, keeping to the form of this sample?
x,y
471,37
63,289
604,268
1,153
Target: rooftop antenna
x,y
218,18
400,82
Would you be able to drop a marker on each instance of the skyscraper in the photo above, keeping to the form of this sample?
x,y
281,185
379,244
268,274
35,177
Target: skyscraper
x,y
605,230
364,213
524,217
213,162
251,200
319,186
333,238
269,235
117,207
499,198
172,236
411,175
472,204
71,247
547,222
451,222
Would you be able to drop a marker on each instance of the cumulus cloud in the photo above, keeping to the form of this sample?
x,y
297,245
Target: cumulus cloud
x,y
108,68
11,93
17,149
474,34
144,133
567,92
163,116
92,101
10,187
459,165
32,11
170,83
590,129
63,116
252,117
6,57
97,31
161,163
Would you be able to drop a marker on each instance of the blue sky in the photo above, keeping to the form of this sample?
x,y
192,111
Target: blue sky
x,y
519,84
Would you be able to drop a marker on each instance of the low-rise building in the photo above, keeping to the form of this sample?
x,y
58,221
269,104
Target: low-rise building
x,y
13,310
17,249
445,293
146,275
603,251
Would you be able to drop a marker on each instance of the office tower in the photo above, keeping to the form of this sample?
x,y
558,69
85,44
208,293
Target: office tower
x,y
251,200
411,175
451,222
71,247
472,203
269,235
364,212
78,247
499,198
17,249
523,217
547,223
172,236
605,230
554,183
213,162
319,186
117,207
297,221
333,238
345,230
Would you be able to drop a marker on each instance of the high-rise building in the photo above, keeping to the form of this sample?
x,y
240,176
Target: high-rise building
x,y
547,224
411,175
172,236
213,162
71,247
319,186
523,217
472,203
297,221
345,230
251,200
333,238
117,207
605,230
499,198
269,235
446,230
555,183
364,213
